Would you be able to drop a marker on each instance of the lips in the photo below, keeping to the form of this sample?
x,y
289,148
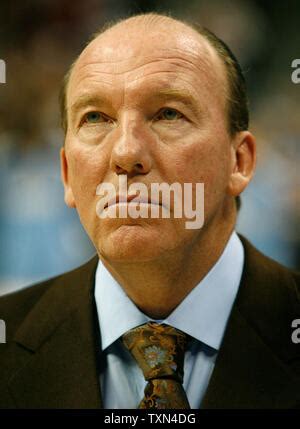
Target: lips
x,y
128,198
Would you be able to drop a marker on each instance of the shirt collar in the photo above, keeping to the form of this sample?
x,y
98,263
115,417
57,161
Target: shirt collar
x,y
203,313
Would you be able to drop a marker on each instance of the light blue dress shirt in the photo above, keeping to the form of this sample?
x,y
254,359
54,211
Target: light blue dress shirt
x,y
203,314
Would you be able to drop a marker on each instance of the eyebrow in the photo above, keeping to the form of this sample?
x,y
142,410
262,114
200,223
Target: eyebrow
x,y
86,100
181,95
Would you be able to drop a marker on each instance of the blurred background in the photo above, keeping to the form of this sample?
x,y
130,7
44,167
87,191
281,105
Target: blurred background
x,y
39,236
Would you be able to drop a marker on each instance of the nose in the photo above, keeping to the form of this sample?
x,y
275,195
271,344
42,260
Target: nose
x,y
131,153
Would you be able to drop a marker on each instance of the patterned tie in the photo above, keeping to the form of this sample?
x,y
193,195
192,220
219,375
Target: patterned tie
x,y
159,351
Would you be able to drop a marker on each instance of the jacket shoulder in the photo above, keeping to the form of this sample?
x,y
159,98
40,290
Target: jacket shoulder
x,y
15,306
273,276
269,298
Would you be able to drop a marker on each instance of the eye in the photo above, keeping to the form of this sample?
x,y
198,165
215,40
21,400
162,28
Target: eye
x,y
169,114
95,118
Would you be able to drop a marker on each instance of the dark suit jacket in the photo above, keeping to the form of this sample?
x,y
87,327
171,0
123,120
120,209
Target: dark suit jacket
x,y
52,358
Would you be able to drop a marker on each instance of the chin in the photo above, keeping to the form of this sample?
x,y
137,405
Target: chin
x,y
132,243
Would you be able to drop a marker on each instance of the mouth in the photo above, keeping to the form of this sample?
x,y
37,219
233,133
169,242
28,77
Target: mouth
x,y
120,199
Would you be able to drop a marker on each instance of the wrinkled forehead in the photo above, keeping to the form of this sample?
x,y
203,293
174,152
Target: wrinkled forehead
x,y
138,48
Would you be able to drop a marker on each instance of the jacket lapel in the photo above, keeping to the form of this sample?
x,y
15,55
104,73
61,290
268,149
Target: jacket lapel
x,y
250,371
58,346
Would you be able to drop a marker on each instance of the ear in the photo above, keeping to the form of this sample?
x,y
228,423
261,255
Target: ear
x,y
69,197
243,153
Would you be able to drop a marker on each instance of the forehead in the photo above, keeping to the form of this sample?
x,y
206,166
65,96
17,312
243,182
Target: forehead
x,y
140,57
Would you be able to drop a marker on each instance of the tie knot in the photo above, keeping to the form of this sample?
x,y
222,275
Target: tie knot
x,y
158,350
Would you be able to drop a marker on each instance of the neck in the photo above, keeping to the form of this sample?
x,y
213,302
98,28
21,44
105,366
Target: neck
x,y
158,286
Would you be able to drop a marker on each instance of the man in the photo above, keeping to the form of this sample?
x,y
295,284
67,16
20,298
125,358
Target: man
x,y
164,316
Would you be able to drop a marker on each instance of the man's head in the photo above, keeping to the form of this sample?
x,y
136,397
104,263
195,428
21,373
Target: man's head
x,y
152,99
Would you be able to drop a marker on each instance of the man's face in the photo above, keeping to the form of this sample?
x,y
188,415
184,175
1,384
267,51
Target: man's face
x,y
149,105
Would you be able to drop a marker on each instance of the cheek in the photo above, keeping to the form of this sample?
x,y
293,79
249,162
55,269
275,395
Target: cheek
x,y
86,171
203,161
